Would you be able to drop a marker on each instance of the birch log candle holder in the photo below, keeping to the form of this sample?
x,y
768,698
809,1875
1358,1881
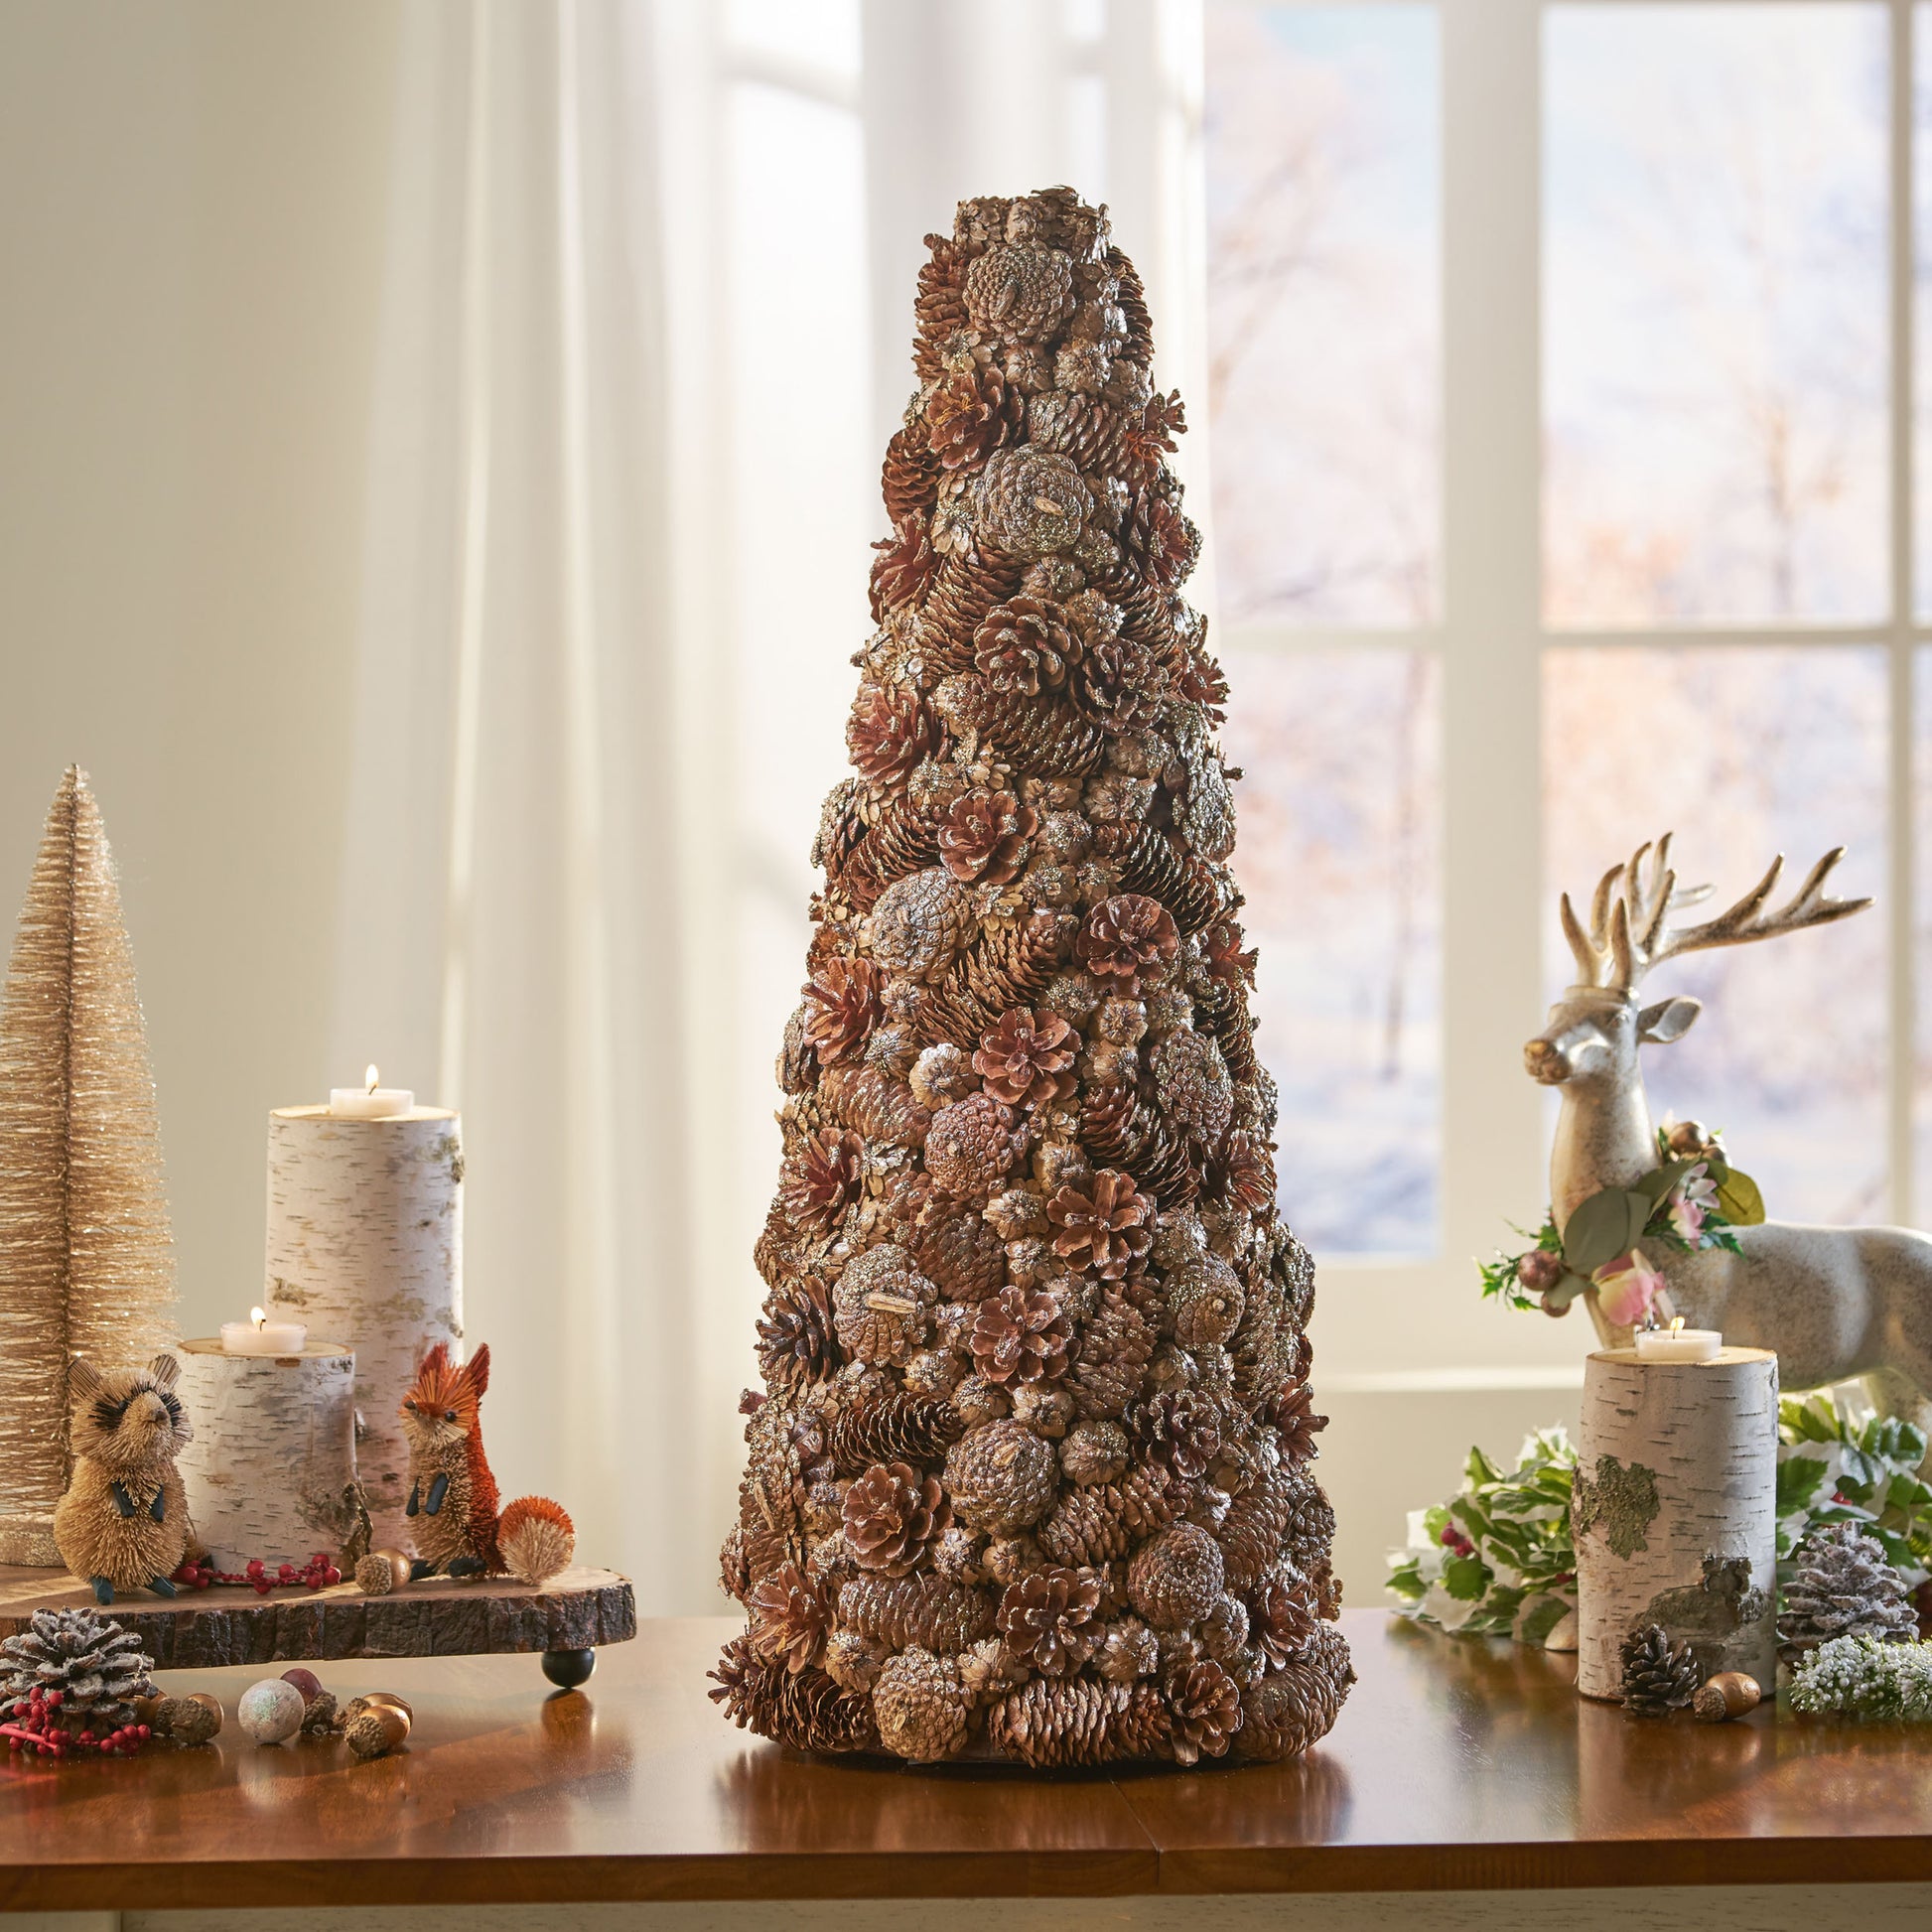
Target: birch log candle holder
x,y
365,1243
1674,1511
271,1469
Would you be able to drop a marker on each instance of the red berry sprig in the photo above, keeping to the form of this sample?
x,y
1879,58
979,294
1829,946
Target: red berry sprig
x,y
317,1574
37,1729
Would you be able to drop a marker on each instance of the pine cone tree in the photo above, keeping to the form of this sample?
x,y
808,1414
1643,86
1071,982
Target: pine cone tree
x,y
1659,1677
85,1669
1034,1344
1844,1585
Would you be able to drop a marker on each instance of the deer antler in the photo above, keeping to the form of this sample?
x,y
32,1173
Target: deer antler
x,y
1629,925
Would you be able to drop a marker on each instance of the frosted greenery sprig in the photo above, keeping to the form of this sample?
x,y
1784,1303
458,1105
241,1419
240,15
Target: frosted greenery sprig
x,y
1860,1677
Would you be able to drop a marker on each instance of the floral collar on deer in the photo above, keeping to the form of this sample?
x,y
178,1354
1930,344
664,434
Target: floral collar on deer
x,y
1691,1200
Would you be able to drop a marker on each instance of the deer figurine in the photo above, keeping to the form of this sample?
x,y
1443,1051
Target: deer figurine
x,y
1834,1303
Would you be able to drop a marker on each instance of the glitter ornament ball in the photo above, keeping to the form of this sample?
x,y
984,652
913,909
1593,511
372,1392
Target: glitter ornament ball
x,y
271,1710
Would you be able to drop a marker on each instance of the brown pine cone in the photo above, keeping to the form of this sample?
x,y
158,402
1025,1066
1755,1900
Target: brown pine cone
x,y
1208,1300
1128,1651
1052,1721
1027,1060
1176,1577
1019,294
1085,1526
987,836
1284,1613
1094,1451
1029,504
1292,1411
1103,1230
1311,1526
1146,434
903,569
1023,647
1019,1335
841,1008
1144,1728
888,733
875,1105
1047,1619
821,1180
892,1513
1118,685
789,1618
930,1612
881,1307
970,413
920,923
955,1248
1161,537
1002,1477
910,479
1296,1707
890,1426
803,1709
1192,1084
795,1342
919,1706
1248,1172
1111,1358
971,1147
1204,1705
1128,941
1181,1429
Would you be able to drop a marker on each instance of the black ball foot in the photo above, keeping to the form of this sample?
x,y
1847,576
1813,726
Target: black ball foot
x,y
569,1668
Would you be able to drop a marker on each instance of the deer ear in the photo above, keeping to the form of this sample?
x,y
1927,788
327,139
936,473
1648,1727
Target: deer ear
x,y
1668,1020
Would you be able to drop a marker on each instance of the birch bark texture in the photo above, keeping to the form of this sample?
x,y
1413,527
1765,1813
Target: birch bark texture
x,y
365,1245
87,1252
1674,1511
271,1470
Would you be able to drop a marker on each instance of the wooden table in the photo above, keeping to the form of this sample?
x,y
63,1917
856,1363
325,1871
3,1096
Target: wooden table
x,y
1456,1764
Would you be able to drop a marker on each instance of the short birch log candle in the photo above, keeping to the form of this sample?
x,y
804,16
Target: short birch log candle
x,y
1674,1511
365,1244
271,1471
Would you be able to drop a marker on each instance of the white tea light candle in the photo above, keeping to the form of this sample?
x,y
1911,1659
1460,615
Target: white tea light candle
x,y
1678,1343
371,1101
260,1336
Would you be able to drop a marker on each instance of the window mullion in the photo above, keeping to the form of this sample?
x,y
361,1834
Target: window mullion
x,y
1904,1059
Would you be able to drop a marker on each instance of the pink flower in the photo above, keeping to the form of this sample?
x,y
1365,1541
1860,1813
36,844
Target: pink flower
x,y
1627,1289
1690,1202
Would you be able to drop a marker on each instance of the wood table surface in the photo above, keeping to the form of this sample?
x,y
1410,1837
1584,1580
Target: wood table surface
x,y
1457,1763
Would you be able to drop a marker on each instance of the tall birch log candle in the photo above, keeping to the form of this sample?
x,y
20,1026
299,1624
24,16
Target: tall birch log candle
x,y
365,1245
1674,1511
271,1469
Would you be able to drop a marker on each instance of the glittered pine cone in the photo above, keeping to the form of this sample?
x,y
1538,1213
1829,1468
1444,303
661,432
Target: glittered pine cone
x,y
822,1180
1111,1356
1057,1721
888,733
1118,684
1128,941
881,1307
789,1618
1023,647
1019,294
892,1514
1026,1059
795,1342
1028,504
1192,1084
841,1008
1206,1300
969,413
1161,536
986,836
1175,1578
903,569
1047,1619
1104,1228
1204,1708
1284,1613
921,1706
1002,1477
1248,1172
919,923
971,1147
1659,1677
1019,1335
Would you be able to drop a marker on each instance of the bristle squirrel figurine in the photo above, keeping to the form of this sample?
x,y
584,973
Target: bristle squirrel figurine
x,y
123,1522
452,1504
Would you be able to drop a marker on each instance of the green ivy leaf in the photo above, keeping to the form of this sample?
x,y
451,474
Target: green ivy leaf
x,y
1466,1577
1800,1479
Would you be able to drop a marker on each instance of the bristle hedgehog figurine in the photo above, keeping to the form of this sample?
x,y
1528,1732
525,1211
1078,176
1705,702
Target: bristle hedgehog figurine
x,y
123,1522
453,1494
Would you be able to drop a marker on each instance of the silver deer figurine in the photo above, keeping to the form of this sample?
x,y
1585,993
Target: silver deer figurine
x,y
1834,1303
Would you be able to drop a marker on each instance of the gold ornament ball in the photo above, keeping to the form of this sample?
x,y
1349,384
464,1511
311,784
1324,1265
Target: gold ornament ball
x,y
1728,1694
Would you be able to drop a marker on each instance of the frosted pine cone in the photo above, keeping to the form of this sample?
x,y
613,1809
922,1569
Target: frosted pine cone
x,y
93,1666
823,1179
1019,1335
1001,1476
1027,1060
986,836
1056,1720
841,1006
1105,1229
920,1708
1128,941
1296,1707
1843,1586
1022,647
795,1342
1175,1579
892,1514
971,1147
1204,1705
881,1307
1047,1619
789,1618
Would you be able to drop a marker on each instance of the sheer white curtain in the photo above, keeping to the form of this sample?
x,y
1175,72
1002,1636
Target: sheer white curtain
x,y
646,328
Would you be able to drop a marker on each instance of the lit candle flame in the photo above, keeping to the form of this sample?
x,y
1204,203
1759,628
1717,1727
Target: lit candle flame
x,y
259,1316
370,1075
1676,1322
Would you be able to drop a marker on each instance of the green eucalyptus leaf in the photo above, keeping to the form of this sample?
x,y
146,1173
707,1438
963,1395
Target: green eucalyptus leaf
x,y
1604,1226
1660,1180
1739,1200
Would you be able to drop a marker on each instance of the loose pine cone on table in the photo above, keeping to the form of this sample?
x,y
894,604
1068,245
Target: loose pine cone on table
x,y
1659,1677
72,1673
1031,1471
1844,1585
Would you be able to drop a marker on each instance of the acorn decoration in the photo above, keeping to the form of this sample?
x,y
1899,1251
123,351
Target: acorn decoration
x,y
1730,1694
376,1724
1030,1471
381,1572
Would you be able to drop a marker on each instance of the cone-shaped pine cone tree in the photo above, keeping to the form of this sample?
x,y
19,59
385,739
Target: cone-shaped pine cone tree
x,y
1028,1476
1844,1585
